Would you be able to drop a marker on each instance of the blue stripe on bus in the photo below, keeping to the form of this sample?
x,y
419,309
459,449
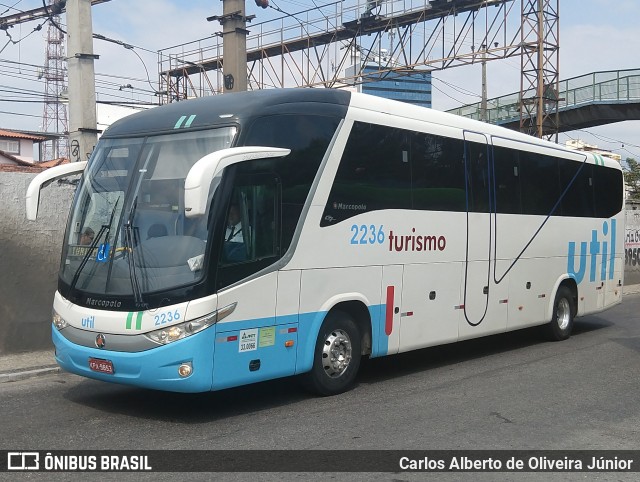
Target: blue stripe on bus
x,y
215,354
380,340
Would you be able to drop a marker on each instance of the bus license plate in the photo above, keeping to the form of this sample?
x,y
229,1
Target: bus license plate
x,y
102,366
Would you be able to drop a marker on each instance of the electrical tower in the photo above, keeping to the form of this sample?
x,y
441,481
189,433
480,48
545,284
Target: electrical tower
x,y
54,118
540,68
312,48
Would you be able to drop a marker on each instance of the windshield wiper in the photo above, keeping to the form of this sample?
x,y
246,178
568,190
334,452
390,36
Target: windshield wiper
x,y
131,257
105,228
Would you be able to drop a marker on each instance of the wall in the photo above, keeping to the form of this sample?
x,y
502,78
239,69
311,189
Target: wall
x,y
26,150
632,248
29,261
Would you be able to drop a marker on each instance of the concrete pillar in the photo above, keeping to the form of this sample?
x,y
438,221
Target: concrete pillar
x,y
234,45
83,133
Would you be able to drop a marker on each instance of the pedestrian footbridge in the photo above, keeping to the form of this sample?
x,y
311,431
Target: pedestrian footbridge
x,y
586,101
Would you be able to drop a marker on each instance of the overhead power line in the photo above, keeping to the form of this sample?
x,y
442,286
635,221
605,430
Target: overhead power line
x,y
34,14
10,7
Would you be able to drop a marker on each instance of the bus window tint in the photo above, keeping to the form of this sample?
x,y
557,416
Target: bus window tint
x,y
577,179
374,173
608,191
506,169
308,137
477,176
540,183
388,168
251,224
437,167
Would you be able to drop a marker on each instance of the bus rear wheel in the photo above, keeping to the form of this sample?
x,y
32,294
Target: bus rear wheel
x,y
337,355
561,324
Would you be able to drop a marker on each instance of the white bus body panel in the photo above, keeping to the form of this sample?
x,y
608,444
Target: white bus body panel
x,y
525,293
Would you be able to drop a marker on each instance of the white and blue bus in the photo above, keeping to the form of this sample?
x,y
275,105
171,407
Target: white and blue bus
x,y
238,238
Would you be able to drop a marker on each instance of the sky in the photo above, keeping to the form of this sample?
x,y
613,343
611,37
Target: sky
x,y
595,35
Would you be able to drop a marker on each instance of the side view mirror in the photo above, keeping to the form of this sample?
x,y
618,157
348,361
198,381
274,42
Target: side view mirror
x,y
44,179
201,175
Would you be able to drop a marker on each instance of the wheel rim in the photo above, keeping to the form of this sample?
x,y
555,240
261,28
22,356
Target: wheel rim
x,y
336,353
563,314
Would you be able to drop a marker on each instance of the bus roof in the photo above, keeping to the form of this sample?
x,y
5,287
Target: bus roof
x,y
224,109
234,108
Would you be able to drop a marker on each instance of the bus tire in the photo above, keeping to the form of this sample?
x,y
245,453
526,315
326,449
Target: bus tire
x,y
337,355
561,324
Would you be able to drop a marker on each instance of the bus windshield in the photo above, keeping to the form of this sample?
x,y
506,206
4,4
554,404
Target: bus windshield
x,y
127,233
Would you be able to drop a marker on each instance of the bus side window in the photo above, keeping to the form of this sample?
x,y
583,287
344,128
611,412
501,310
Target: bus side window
x,y
608,190
507,180
437,173
477,167
576,179
250,232
374,173
540,183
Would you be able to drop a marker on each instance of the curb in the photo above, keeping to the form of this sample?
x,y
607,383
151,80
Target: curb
x,y
26,374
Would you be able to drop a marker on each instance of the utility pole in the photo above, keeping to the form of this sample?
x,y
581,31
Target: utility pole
x,y
234,44
83,133
483,102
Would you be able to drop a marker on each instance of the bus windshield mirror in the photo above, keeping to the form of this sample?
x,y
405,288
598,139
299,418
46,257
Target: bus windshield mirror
x,y
204,176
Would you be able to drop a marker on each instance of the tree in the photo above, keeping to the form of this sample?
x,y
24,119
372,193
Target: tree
x,y
631,169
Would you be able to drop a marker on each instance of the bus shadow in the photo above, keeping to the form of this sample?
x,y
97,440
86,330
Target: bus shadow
x,y
201,408
589,324
186,408
380,369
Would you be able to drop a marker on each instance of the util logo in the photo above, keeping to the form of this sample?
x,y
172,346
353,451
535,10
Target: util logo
x,y
596,247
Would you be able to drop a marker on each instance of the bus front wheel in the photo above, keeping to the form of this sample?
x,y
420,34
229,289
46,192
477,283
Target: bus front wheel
x,y
561,324
337,355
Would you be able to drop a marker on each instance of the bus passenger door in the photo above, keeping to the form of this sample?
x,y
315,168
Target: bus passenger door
x,y
257,340
484,301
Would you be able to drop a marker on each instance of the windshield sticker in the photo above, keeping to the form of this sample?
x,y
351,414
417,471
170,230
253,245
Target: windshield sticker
x,y
267,337
80,251
103,253
195,263
248,340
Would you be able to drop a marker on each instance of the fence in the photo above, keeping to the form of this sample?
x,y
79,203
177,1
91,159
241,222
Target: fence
x,y
609,87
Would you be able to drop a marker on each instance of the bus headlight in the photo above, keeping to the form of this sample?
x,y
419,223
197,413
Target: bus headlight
x,y
188,328
58,321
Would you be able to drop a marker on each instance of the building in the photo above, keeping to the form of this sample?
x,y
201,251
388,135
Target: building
x,y
413,88
21,148
580,145
17,146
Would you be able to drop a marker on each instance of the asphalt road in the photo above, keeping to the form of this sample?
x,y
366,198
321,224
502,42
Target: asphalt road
x,y
512,391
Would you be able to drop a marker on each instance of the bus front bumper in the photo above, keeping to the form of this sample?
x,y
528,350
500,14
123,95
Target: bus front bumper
x,y
156,368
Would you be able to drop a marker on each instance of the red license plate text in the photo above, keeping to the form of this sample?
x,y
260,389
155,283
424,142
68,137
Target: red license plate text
x,y
102,366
